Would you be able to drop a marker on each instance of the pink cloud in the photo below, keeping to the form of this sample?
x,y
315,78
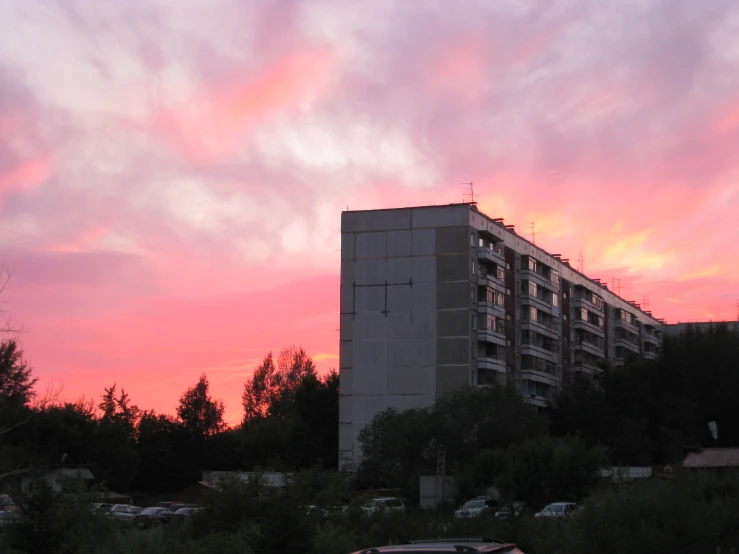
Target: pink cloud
x,y
217,121
192,185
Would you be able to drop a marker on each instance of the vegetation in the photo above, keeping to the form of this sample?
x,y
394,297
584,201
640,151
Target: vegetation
x,y
642,413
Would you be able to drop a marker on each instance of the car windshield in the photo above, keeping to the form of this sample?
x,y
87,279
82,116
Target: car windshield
x,y
472,504
152,511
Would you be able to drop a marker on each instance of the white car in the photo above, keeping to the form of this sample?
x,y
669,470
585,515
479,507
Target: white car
x,y
558,509
124,513
474,507
386,503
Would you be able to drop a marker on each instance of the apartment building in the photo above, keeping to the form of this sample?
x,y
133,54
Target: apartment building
x,y
438,297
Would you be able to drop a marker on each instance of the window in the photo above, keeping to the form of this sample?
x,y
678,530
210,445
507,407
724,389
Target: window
x,y
474,267
499,273
473,294
490,297
564,296
508,317
508,266
508,292
474,322
532,288
472,239
531,264
499,299
555,300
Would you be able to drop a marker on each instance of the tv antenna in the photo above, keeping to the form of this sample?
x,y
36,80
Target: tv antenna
x,y
645,303
469,192
580,262
616,286
532,230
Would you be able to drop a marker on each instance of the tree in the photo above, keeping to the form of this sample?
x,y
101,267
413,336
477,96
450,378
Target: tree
x,y
256,397
16,382
397,447
272,388
298,430
6,323
199,413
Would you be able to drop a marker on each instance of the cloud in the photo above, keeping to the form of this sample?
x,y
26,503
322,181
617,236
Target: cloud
x,y
172,174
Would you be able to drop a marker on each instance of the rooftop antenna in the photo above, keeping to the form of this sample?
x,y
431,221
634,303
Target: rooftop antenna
x,y
532,227
580,262
645,302
469,192
618,286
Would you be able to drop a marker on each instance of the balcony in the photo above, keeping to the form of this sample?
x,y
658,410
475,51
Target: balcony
x,y
580,302
491,254
537,352
536,400
539,279
652,338
593,349
588,369
538,303
490,308
587,326
493,337
491,364
540,376
541,328
622,324
627,344
650,355
486,279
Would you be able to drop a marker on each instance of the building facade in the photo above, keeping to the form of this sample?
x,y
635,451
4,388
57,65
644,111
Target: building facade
x,y
438,297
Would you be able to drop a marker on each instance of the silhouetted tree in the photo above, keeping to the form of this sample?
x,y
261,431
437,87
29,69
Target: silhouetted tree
x,y
199,413
16,381
272,387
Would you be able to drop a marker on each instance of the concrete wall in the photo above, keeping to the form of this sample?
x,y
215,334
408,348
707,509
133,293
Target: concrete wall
x,y
396,351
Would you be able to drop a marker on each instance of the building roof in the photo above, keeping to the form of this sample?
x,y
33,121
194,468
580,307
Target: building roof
x,y
712,457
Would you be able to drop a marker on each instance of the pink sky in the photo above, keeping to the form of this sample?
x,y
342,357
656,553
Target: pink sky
x,y
172,172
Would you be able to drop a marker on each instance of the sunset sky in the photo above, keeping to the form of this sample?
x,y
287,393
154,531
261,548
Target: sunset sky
x,y
172,172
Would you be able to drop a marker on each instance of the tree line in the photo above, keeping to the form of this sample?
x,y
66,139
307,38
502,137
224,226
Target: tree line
x,y
289,422
642,413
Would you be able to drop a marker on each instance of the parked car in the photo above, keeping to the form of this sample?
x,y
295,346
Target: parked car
x,y
475,507
386,503
8,517
442,546
512,509
186,512
101,507
124,513
153,516
558,509
7,504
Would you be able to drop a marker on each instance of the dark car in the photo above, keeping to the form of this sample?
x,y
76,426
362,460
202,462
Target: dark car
x,y
442,546
153,516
